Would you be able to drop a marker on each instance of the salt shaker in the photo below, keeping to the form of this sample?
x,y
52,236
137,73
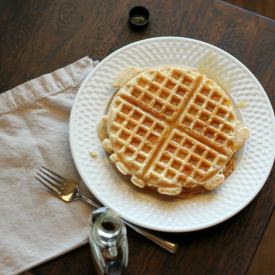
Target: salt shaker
x,y
108,241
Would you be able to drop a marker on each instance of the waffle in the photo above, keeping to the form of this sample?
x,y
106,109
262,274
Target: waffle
x,y
171,129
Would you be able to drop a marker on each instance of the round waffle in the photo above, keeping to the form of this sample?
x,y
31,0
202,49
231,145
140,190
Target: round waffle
x,y
172,129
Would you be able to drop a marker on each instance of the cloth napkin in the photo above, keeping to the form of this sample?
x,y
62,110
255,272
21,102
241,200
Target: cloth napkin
x,y
35,226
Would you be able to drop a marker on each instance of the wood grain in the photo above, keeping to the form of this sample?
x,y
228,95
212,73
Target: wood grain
x,y
263,262
263,7
37,37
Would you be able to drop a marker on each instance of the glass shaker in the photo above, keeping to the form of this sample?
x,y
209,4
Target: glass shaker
x,y
108,241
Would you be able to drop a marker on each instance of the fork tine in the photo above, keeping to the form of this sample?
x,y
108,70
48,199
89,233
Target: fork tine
x,y
50,171
53,189
52,183
57,181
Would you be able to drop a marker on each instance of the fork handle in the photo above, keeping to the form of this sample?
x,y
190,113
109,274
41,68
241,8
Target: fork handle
x,y
89,201
168,246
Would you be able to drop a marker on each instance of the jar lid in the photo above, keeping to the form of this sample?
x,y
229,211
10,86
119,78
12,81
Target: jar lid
x,y
139,17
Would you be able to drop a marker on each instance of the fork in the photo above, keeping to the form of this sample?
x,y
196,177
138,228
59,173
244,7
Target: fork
x,y
69,191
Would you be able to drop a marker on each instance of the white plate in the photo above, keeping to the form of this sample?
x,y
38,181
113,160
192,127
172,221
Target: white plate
x,y
255,160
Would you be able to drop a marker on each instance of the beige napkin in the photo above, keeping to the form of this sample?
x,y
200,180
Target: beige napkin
x,y
34,225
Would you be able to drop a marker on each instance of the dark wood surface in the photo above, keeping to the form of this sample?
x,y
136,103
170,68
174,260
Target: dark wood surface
x,y
262,7
37,37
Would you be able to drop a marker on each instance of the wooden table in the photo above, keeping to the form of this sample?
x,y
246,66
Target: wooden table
x,y
37,37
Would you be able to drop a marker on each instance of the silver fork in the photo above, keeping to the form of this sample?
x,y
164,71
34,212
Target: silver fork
x,y
69,191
